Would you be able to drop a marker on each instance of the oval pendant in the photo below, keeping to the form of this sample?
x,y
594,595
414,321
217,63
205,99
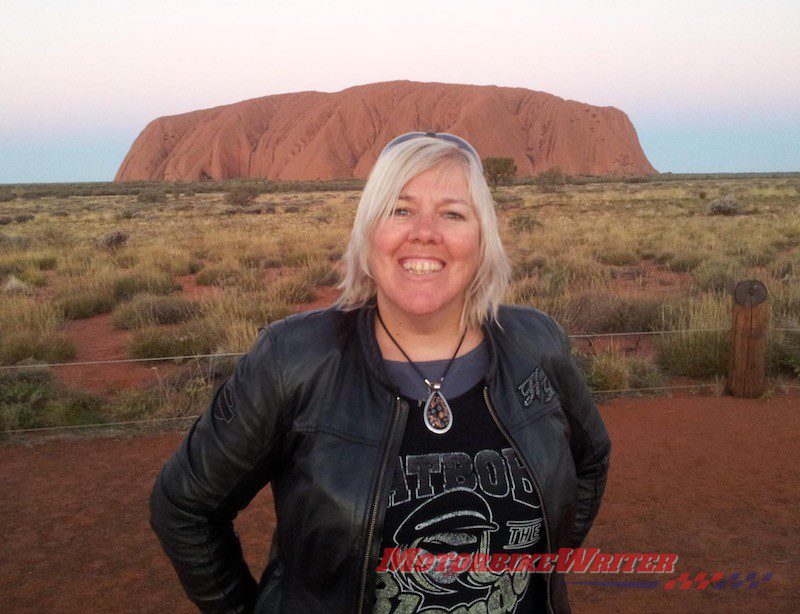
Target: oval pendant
x,y
437,414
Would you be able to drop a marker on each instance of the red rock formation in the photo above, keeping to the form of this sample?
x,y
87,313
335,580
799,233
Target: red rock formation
x,y
317,135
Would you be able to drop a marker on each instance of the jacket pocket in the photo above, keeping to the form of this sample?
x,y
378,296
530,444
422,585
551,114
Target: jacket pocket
x,y
270,597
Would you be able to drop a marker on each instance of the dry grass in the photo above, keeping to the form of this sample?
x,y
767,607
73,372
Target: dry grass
x,y
567,248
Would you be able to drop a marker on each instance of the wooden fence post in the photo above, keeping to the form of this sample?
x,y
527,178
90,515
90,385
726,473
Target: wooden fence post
x,y
749,322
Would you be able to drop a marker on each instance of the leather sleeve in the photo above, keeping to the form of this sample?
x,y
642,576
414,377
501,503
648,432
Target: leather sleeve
x,y
589,441
228,455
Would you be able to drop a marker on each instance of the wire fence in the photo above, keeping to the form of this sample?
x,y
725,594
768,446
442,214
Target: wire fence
x,y
86,363
179,419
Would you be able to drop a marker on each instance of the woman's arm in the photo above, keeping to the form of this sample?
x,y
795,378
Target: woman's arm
x,y
228,455
589,441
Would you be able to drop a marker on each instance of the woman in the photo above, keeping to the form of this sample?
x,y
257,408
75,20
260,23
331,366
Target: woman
x,y
417,413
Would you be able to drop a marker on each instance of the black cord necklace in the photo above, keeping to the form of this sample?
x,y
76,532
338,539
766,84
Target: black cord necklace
x,y
437,415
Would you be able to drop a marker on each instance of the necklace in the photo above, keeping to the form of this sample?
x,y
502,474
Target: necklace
x,y
437,415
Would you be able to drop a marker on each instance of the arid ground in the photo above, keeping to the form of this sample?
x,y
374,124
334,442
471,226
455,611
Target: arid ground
x,y
711,479
121,273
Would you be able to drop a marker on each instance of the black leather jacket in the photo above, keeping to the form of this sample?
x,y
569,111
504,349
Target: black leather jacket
x,y
310,410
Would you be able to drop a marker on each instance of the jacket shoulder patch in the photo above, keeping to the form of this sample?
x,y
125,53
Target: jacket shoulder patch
x,y
535,386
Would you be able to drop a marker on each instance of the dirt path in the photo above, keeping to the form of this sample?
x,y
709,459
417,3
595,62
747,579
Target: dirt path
x,y
711,479
96,338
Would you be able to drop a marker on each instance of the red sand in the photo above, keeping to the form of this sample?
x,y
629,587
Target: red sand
x,y
96,338
711,479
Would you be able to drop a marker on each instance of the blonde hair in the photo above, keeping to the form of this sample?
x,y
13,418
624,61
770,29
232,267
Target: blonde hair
x,y
394,168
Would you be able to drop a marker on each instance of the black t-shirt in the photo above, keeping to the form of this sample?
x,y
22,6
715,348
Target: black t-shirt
x,y
464,491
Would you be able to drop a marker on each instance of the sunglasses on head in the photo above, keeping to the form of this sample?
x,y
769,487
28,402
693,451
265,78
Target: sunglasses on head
x,y
445,136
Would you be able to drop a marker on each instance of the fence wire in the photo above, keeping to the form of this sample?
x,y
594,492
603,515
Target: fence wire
x,y
87,363
153,421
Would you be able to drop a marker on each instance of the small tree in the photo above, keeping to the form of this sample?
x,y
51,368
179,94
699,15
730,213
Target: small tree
x,y
551,179
499,170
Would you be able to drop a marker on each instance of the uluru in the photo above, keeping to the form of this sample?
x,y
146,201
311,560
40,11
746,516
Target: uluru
x,y
318,136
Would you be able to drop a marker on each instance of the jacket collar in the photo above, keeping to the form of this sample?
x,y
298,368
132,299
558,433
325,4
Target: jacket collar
x,y
374,358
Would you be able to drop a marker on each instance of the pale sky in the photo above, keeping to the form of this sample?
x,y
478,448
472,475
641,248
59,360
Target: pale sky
x,y
710,85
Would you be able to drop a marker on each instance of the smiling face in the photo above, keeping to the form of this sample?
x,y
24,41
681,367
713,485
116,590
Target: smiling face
x,y
426,254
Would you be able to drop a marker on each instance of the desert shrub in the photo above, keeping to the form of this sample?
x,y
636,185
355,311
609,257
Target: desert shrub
x,y
226,275
30,398
524,221
291,209
702,195
253,260
112,241
149,310
718,274
527,290
290,291
14,285
526,265
551,180
32,276
170,259
89,302
617,255
499,171
626,314
242,195
100,291
26,344
610,370
681,260
128,285
7,196
566,272
696,354
724,206
784,352
155,342
505,201
151,196
21,218
46,263
5,220
30,329
128,213
317,272
13,241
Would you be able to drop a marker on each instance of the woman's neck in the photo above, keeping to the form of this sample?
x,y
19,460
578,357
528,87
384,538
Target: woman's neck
x,y
423,338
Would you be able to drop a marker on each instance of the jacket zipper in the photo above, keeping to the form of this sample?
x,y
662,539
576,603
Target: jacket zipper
x,y
375,503
533,480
